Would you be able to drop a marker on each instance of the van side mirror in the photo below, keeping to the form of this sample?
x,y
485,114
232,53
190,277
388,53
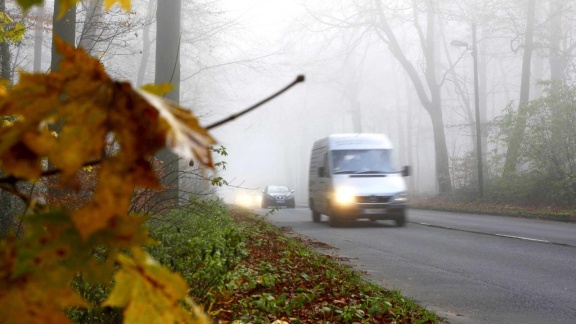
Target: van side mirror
x,y
406,171
321,172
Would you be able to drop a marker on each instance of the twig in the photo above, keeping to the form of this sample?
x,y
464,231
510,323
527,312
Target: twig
x,y
299,79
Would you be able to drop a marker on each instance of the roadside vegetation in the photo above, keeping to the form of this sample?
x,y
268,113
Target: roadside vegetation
x,y
543,185
526,210
241,269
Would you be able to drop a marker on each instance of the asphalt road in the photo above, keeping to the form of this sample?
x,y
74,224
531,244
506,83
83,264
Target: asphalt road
x,y
466,268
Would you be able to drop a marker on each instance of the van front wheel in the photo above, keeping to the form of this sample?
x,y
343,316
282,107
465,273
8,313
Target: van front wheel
x,y
316,216
401,220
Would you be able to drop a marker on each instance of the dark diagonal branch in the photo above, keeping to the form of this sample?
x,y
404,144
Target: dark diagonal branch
x,y
299,79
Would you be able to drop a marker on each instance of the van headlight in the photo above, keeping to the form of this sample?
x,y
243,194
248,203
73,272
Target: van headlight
x,y
401,198
344,197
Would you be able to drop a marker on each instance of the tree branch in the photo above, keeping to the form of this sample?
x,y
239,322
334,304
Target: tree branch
x,y
298,79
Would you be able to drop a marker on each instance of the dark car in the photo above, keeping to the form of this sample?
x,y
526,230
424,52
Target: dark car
x,y
278,196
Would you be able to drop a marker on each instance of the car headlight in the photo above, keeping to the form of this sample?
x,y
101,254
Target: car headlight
x,y
401,198
344,196
244,200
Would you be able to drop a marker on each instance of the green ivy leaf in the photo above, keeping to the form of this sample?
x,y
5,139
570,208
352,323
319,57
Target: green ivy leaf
x,y
27,4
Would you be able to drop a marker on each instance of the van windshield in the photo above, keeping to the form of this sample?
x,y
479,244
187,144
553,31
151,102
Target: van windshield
x,y
361,161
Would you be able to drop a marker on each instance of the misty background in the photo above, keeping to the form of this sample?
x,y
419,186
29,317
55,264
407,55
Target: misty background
x,y
235,53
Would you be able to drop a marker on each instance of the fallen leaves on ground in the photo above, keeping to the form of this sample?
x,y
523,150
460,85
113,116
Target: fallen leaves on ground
x,y
286,281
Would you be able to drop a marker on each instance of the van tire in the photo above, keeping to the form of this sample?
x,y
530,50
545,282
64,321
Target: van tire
x,y
401,220
316,216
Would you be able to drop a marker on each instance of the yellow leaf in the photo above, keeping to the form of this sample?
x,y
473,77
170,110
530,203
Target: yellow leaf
x,y
158,89
111,199
3,91
50,240
32,301
125,4
35,294
185,136
6,123
65,5
125,231
148,291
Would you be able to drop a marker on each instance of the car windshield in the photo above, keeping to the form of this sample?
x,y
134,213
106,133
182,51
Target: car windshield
x,y
361,161
278,189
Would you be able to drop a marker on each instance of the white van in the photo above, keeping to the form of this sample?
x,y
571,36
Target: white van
x,y
352,176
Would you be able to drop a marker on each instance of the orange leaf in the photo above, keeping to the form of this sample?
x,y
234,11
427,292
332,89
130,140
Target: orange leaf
x,y
22,162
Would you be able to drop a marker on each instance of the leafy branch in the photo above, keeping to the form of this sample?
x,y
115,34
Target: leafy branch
x,y
37,270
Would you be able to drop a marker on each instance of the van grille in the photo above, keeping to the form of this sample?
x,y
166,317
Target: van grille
x,y
372,199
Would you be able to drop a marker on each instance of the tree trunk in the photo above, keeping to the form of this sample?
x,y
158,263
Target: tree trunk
x,y
558,62
5,66
409,148
38,38
432,103
65,28
483,96
517,136
146,43
168,46
400,128
168,71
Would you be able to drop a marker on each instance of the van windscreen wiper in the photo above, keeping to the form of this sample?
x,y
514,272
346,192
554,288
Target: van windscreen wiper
x,y
345,172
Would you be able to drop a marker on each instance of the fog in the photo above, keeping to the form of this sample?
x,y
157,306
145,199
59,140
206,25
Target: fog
x,y
372,67
344,83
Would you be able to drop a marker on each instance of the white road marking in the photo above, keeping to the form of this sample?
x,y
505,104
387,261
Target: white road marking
x,y
494,234
523,238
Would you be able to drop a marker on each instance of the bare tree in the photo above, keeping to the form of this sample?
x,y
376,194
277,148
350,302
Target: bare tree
x,y
428,87
516,137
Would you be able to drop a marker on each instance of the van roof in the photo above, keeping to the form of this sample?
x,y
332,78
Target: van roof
x,y
358,141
